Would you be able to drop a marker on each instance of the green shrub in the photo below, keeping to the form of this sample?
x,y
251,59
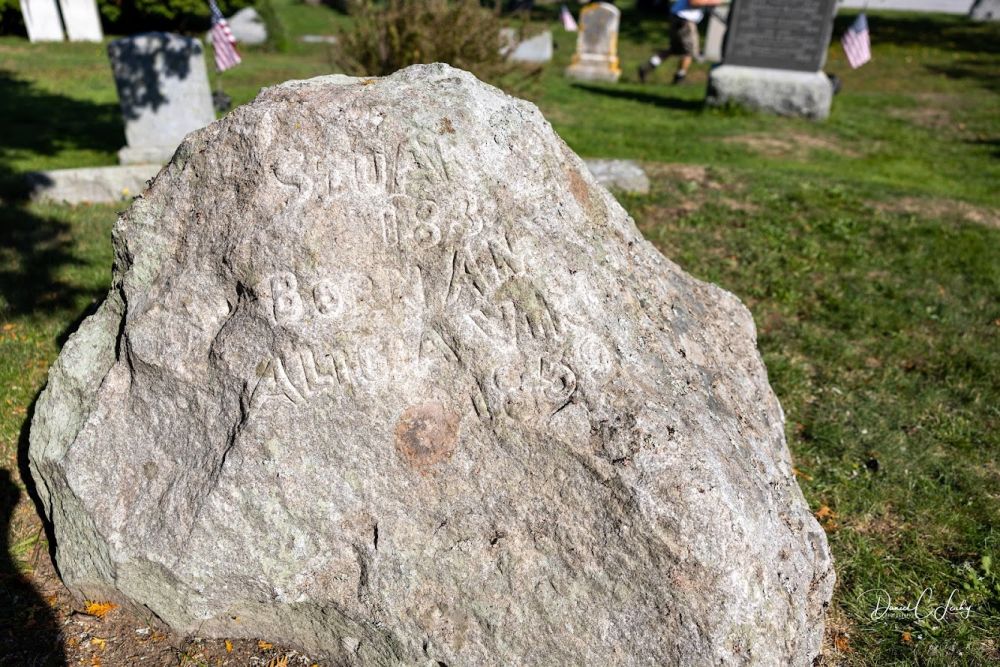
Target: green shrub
x,y
389,35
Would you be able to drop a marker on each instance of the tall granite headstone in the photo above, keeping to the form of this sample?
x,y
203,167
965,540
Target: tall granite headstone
x,y
163,91
775,52
596,57
41,18
83,22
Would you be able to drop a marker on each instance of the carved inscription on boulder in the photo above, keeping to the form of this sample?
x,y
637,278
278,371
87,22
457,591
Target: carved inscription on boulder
x,y
386,375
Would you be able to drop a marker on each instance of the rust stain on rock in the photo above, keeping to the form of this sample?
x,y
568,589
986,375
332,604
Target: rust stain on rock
x,y
426,434
578,186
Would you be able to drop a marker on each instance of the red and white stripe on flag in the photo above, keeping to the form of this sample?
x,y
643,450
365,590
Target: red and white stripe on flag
x,y
857,42
223,42
224,46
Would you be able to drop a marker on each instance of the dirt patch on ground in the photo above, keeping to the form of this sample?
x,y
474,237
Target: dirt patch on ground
x,y
886,526
926,117
693,185
933,111
836,639
797,145
942,208
42,624
695,173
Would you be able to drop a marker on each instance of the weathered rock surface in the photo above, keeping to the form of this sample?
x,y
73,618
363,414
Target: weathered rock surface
x,y
385,374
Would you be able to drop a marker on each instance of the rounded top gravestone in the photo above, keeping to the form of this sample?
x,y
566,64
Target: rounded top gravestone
x,y
384,374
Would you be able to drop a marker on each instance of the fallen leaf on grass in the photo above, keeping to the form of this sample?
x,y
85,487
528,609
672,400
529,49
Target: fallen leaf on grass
x,y
799,473
826,517
95,661
99,609
229,646
907,638
842,644
99,643
278,662
264,646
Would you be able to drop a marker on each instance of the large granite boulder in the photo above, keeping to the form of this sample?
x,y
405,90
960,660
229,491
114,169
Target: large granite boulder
x,y
383,373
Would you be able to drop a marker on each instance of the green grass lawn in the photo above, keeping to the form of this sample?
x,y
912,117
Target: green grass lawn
x,y
867,247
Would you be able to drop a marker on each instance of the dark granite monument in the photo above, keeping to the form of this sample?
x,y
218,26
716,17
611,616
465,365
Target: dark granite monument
x,y
780,33
774,55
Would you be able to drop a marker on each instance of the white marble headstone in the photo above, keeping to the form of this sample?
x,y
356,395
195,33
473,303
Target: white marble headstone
x,y
596,57
83,22
41,18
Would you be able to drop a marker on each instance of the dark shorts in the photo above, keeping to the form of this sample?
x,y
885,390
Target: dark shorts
x,y
683,37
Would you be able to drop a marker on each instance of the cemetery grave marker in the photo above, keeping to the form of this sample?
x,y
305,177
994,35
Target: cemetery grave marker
x,y
163,91
596,57
82,19
384,373
41,18
775,51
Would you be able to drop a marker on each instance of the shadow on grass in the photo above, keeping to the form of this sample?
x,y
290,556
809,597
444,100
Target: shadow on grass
x,y
982,73
44,123
952,33
34,248
30,634
992,145
644,98
33,252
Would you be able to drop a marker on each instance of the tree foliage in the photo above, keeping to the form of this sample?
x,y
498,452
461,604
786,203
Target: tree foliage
x,y
131,16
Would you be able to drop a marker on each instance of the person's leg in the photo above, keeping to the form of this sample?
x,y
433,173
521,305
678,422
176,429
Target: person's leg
x,y
654,61
676,48
688,39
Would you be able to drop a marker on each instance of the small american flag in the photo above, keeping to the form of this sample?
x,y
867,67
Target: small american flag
x,y
223,42
569,23
857,42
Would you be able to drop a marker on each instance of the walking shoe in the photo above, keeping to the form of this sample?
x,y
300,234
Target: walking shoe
x,y
679,77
